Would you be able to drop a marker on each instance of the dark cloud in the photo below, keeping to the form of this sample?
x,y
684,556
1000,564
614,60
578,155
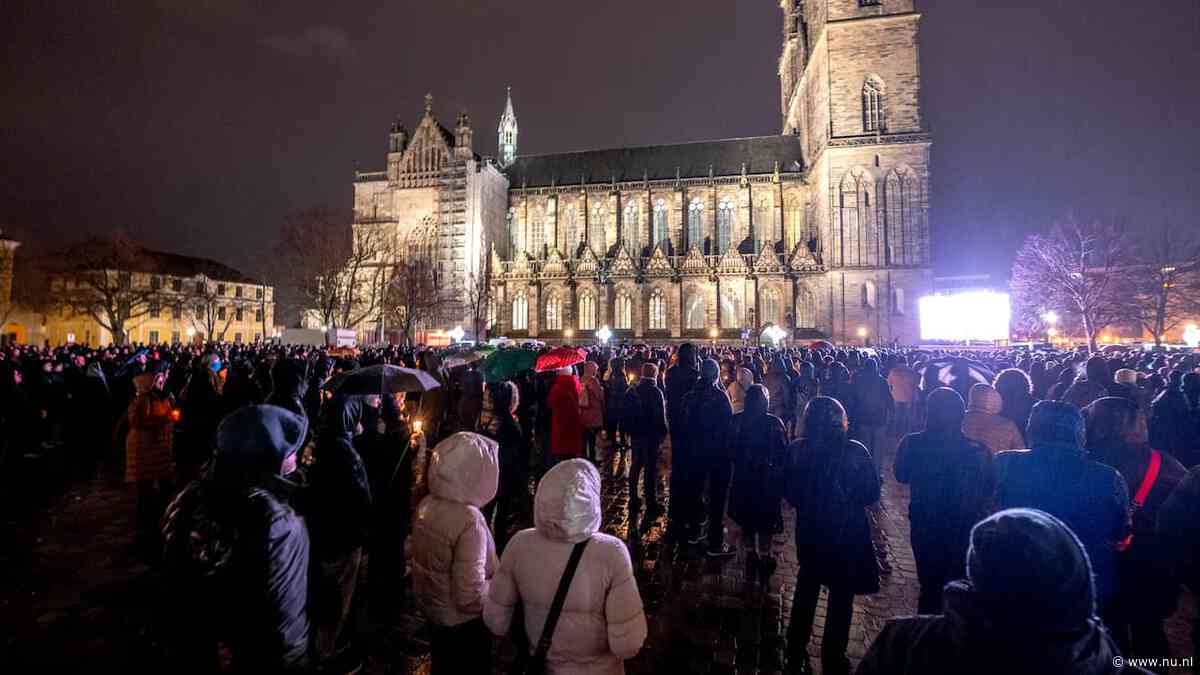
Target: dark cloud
x,y
317,41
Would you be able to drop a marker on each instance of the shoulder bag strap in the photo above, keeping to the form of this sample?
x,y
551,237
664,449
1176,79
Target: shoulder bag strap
x,y
1143,491
538,663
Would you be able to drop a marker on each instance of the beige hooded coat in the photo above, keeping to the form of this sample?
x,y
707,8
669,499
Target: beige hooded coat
x,y
453,554
602,621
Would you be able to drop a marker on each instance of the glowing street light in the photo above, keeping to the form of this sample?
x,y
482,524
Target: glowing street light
x,y
191,333
457,334
1051,317
775,334
862,331
569,333
1191,335
605,334
324,328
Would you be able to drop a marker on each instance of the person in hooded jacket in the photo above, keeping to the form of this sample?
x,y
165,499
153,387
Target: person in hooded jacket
x,y
453,554
985,424
338,508
602,622
591,408
1027,607
1149,588
760,456
1056,476
708,421
831,481
951,479
289,385
232,540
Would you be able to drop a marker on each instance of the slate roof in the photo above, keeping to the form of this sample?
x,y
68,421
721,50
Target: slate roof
x,y
150,261
660,162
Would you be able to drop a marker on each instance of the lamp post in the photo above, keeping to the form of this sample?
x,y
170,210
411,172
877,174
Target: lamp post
x,y
191,333
457,334
712,334
862,334
568,334
605,334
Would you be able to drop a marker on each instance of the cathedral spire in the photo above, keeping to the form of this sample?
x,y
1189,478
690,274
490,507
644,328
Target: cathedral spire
x,y
507,133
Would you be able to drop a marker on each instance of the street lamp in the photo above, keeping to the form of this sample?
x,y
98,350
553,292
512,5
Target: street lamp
x,y
605,334
191,333
569,333
1191,335
324,328
457,334
862,334
1050,317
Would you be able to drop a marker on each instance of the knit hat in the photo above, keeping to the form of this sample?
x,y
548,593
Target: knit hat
x,y
1054,425
1126,376
255,440
710,370
1030,571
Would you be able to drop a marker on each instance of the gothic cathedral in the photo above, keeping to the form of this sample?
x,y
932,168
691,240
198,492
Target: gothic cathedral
x,y
822,230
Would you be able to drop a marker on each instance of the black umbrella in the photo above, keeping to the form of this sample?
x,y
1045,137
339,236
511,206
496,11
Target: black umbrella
x,y
381,379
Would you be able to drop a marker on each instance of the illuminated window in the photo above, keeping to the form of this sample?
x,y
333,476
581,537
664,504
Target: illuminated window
x,y
770,307
660,225
724,224
874,114
554,313
598,230
587,312
624,318
697,314
806,309
520,313
630,227
695,228
902,210
731,311
658,311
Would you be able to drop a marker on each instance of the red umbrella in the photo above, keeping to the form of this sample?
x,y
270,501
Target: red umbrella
x,y
560,357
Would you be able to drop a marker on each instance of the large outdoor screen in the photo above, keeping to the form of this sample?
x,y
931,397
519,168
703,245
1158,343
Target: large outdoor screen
x,y
978,315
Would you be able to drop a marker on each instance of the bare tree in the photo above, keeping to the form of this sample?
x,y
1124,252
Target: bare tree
x,y
209,311
477,298
1166,280
338,270
113,281
1080,271
414,300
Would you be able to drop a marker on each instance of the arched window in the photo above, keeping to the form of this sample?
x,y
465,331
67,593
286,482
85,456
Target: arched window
x,y
695,228
490,315
874,112
520,313
724,224
770,306
624,313
551,233
658,310
554,319
630,227
731,310
599,230
697,314
806,308
587,312
903,233
659,236
859,245
537,233
574,234
764,224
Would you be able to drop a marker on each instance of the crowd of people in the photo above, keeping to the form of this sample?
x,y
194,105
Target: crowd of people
x,y
1053,511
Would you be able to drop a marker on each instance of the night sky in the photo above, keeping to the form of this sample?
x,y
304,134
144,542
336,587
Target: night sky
x,y
198,125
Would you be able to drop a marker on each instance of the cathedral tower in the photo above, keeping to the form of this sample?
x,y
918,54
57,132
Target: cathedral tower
x,y
850,86
508,133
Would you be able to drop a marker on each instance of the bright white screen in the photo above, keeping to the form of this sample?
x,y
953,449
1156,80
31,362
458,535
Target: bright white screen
x,y
981,315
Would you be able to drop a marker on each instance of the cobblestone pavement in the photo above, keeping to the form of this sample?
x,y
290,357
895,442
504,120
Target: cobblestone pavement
x,y
74,592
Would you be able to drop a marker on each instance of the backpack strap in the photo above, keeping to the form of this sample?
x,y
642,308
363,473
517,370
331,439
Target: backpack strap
x,y
538,663
1143,491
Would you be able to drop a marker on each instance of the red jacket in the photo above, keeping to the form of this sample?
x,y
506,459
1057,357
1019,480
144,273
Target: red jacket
x,y
566,427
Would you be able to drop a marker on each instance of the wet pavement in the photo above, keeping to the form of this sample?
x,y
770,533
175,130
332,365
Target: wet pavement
x,y
75,595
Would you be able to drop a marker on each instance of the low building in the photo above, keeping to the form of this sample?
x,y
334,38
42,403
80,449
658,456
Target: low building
x,y
174,298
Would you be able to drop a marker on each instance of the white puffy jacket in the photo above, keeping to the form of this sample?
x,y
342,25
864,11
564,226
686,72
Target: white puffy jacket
x,y
453,554
602,621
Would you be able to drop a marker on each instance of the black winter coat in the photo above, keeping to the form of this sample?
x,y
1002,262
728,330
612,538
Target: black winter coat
x,y
831,489
652,420
708,421
760,461
962,641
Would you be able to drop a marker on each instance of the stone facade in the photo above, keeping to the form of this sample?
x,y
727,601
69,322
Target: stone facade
x,y
822,230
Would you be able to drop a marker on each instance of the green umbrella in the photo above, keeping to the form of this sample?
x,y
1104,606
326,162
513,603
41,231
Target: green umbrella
x,y
505,363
